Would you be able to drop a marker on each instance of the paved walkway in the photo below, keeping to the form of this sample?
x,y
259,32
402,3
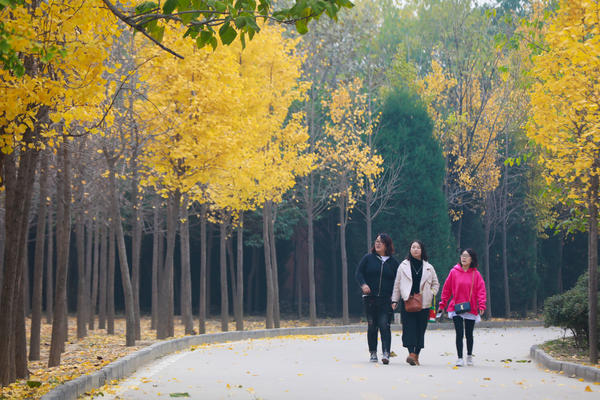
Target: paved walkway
x,y
336,366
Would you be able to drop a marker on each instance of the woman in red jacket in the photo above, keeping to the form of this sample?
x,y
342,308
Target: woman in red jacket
x,y
466,287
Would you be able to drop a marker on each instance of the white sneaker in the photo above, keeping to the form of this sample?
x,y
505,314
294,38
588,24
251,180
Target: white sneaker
x,y
469,360
460,363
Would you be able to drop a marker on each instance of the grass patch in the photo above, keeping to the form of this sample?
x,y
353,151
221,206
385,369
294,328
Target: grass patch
x,y
564,349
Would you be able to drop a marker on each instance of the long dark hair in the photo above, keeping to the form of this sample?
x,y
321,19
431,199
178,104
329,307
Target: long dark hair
x,y
423,251
387,242
473,255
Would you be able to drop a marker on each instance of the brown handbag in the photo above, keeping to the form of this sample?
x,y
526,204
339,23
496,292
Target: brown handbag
x,y
414,303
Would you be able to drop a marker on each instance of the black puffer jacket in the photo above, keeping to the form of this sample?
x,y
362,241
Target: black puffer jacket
x,y
371,270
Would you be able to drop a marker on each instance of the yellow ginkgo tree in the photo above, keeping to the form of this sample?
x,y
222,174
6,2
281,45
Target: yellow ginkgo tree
x,y
349,162
565,123
57,92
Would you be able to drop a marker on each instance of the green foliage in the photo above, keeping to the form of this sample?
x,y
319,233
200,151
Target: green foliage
x,y
8,57
569,310
201,16
419,210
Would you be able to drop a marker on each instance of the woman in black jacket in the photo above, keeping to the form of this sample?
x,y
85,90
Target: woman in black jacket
x,y
375,275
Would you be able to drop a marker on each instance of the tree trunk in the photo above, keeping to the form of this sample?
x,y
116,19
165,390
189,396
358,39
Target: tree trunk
x,y
503,215
156,254
89,312
209,270
103,276
203,261
268,267
50,267
136,247
369,219
250,280
123,264
82,290
561,247
342,210
298,273
274,268
95,273
164,327
593,270
63,240
239,298
110,281
25,276
312,298
186,277
232,277
38,268
223,273
486,260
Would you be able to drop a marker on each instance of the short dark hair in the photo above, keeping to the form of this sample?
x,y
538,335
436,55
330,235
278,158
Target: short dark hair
x,y
387,241
474,263
423,251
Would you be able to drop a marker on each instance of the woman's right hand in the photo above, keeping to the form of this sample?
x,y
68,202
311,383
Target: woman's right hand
x,y
366,289
394,305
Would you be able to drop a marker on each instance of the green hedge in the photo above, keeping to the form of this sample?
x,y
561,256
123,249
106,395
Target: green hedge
x,y
569,310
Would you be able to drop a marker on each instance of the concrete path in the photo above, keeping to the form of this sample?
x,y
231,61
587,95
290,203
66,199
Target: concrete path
x,y
336,366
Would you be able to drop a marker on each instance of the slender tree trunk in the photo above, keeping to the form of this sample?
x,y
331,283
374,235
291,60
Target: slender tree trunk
x,y
82,290
232,277
95,275
561,246
345,312
89,312
298,271
486,260
110,281
312,298
268,266
223,273
63,237
593,270
20,333
38,269
274,267
203,261
186,275
250,281
136,246
156,254
103,276
2,240
25,277
209,270
165,326
240,275
123,264
369,219
503,211
50,267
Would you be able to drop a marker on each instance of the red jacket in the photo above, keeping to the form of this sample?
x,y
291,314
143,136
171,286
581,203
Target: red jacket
x,y
458,286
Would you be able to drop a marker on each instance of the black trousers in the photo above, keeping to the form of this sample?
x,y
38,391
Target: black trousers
x,y
469,326
379,312
414,325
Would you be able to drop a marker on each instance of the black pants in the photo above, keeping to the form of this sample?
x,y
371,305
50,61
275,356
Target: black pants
x,y
414,325
379,311
469,325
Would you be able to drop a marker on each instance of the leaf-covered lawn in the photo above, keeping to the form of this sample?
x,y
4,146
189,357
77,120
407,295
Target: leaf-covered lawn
x,y
565,350
91,353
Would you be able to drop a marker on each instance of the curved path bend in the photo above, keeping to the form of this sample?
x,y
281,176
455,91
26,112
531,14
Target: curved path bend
x,y
336,366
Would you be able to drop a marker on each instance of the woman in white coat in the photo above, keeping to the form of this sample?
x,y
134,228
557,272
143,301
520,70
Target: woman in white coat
x,y
414,275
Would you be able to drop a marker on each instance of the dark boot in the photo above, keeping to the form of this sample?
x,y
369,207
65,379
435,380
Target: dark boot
x,y
417,359
411,359
385,358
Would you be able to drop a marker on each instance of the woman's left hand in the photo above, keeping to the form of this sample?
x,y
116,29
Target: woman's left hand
x,y
481,312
